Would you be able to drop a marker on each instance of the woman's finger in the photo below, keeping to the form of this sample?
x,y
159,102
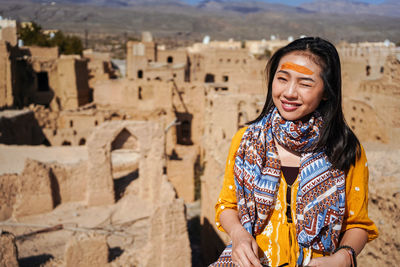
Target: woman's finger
x,y
253,257
237,258
243,258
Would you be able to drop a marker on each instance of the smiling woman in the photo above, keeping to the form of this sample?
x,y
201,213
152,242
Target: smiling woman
x,y
296,182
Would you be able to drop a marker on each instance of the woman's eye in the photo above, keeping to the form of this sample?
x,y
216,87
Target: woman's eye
x,y
305,85
282,79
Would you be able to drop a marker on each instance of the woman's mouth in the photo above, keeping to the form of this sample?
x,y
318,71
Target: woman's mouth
x,y
289,106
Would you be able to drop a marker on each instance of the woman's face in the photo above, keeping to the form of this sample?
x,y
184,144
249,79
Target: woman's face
x,y
297,88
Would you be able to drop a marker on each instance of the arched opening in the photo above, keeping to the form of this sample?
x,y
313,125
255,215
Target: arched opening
x,y
82,141
125,140
170,59
140,74
184,129
124,161
71,123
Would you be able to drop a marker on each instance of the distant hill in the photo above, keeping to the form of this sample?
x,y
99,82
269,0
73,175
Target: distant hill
x,y
219,19
387,8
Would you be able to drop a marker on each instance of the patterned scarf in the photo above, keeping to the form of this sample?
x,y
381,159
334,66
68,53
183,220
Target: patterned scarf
x,y
320,201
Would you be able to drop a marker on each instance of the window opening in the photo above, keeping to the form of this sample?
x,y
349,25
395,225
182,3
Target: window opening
x,y
140,74
43,81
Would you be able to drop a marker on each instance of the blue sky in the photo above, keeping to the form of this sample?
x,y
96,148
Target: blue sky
x,y
294,2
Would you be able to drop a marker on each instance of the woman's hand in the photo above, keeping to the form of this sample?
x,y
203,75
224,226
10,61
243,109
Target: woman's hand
x,y
340,259
244,248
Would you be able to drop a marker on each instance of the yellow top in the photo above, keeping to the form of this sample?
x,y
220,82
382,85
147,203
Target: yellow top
x,y
278,244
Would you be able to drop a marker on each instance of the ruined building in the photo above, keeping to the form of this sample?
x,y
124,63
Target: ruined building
x,y
39,75
126,156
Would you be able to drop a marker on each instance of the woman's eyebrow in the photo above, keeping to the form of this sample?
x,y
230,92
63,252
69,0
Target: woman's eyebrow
x,y
284,72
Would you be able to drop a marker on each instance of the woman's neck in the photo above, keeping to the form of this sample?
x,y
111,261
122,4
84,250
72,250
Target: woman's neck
x,y
288,158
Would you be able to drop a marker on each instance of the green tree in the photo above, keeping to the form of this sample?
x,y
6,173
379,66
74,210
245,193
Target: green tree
x,y
68,45
34,36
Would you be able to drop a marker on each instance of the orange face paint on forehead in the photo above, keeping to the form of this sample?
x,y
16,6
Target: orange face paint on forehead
x,y
297,68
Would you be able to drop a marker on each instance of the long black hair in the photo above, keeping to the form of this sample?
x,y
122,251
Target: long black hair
x,y
337,139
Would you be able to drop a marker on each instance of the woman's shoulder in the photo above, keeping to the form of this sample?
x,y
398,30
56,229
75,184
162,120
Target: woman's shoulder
x,y
236,139
239,134
361,158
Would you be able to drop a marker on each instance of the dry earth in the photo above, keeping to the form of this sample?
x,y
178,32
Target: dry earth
x,y
384,205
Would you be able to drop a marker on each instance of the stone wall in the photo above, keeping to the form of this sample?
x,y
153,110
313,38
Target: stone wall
x,y
8,250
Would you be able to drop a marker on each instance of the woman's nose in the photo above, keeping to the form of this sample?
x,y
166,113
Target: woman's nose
x,y
291,90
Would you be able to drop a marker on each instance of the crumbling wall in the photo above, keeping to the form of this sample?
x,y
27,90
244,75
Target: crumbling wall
x,y
8,250
148,215
39,184
99,67
181,171
35,192
86,250
73,88
8,191
151,147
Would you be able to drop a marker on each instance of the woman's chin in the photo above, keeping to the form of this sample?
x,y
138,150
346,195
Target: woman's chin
x,y
294,116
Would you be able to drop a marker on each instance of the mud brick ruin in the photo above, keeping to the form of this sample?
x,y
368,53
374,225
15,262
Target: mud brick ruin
x,y
110,166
